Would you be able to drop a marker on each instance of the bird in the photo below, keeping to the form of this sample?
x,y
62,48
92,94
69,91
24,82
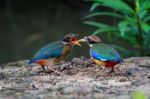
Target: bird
x,y
55,51
102,54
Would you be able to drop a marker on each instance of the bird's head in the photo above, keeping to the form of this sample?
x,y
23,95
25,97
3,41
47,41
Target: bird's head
x,y
91,40
71,39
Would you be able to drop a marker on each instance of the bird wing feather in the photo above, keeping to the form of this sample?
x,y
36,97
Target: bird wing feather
x,y
104,52
52,50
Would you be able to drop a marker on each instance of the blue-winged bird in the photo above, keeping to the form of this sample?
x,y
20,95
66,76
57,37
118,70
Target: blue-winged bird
x,y
101,53
55,52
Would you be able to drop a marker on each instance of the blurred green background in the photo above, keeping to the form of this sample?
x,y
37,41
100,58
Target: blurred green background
x,y
27,25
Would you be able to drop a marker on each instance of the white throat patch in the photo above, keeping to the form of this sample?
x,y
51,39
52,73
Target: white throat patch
x,y
91,45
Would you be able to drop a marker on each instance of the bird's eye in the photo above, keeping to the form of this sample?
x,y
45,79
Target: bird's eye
x,y
73,39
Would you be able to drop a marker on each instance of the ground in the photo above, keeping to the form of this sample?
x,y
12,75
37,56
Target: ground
x,y
81,80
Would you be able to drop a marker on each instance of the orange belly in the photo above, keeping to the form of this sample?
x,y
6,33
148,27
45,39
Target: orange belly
x,y
41,62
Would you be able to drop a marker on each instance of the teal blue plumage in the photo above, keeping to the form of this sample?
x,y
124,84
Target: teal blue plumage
x,y
52,50
104,52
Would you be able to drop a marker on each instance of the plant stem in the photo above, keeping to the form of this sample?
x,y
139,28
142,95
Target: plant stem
x,y
140,37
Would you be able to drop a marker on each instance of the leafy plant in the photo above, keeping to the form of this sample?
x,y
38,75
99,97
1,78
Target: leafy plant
x,y
132,22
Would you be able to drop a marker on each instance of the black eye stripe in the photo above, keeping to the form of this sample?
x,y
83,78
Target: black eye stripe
x,y
91,41
66,39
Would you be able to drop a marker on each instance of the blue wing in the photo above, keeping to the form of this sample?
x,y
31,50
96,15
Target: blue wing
x,y
104,52
52,50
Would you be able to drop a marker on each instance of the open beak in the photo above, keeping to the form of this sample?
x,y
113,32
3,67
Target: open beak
x,y
77,43
82,40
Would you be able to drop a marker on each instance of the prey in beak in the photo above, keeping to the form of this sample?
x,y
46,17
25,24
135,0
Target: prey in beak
x,y
82,40
74,41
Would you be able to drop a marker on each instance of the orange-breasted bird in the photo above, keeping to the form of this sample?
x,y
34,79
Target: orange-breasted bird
x,y
55,52
101,53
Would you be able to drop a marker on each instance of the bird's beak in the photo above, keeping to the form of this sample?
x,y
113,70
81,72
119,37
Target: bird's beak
x,y
82,40
77,43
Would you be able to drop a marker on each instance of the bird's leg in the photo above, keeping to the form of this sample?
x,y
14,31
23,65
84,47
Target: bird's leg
x,y
43,67
111,71
49,66
42,64
57,71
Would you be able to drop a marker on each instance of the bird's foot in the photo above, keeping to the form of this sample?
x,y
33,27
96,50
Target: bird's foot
x,y
55,71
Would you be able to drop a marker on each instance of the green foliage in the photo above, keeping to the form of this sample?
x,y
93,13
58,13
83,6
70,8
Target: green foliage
x,y
132,22
138,95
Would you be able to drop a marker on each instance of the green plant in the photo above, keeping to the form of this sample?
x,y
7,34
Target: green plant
x,y
138,95
132,22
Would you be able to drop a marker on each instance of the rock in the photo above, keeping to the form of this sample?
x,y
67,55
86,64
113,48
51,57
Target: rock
x,y
81,80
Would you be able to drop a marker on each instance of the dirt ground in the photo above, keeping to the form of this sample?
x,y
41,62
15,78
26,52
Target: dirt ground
x,y
79,79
